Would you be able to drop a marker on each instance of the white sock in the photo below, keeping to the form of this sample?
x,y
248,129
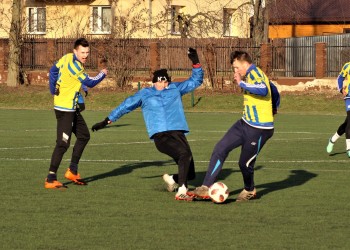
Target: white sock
x,y
172,178
347,144
182,189
335,137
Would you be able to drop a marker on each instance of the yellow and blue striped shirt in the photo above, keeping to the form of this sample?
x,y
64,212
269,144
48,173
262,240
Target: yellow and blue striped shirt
x,y
68,75
257,99
344,74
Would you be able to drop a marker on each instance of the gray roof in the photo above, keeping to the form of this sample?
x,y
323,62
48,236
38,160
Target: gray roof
x,y
309,11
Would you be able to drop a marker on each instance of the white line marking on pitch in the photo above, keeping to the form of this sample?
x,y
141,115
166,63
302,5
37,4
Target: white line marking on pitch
x,y
96,144
116,160
206,162
196,130
146,142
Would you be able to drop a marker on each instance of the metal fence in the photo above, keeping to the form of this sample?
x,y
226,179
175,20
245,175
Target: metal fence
x,y
292,57
135,52
296,57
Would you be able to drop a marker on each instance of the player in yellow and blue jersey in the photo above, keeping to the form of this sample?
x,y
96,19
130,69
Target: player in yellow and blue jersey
x,y
343,87
67,77
251,132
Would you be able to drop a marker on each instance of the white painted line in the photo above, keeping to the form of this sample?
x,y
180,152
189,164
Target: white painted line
x,y
94,144
116,160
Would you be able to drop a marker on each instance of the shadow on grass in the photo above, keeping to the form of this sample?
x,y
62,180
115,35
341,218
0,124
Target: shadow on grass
x,y
198,180
225,172
198,100
115,126
296,178
338,153
125,169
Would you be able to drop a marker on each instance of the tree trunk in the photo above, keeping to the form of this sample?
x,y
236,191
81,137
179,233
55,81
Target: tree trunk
x,y
15,45
258,22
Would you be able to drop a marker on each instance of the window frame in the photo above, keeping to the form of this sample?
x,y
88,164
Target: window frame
x,y
99,20
227,22
35,21
174,13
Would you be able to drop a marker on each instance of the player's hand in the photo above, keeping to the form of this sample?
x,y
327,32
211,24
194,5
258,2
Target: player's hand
x,y
193,55
105,71
344,91
86,93
101,125
237,77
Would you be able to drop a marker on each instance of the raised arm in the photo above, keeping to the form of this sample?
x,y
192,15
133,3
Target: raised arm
x,y
196,78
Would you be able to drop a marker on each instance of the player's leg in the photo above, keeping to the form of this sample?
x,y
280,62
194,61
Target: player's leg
x,y
347,132
336,136
184,158
254,141
231,140
161,141
175,145
64,132
82,133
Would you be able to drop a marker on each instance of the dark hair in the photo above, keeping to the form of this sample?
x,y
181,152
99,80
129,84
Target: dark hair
x,y
81,42
240,56
160,75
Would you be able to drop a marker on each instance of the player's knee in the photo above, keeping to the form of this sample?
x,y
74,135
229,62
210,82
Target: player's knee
x,y
84,138
219,154
63,145
186,156
246,167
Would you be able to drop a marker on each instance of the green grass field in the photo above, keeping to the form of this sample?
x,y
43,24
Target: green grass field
x,y
302,191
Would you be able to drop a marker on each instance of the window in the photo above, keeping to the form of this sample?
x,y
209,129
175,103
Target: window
x,y
36,20
101,19
227,22
175,19
346,30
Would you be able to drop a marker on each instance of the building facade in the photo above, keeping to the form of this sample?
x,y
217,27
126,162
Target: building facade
x,y
131,18
298,18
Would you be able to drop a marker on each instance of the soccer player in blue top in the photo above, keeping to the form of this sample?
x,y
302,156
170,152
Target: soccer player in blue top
x,y
251,132
67,77
165,121
344,128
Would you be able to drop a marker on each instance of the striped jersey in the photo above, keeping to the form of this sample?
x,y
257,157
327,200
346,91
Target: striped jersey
x,y
68,75
257,99
344,87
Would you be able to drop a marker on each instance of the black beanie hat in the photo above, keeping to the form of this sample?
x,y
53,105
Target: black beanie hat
x,y
160,75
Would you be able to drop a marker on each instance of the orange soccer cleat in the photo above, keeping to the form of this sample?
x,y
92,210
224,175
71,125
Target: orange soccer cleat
x,y
74,177
54,184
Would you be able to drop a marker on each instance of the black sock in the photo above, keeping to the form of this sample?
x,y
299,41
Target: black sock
x,y
73,168
51,177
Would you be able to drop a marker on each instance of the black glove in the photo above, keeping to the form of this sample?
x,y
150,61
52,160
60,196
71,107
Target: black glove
x,y
101,125
86,93
192,54
81,107
57,89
